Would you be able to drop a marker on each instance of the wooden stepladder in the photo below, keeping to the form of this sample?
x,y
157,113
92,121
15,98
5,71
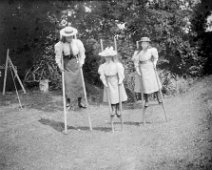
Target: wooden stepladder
x,y
9,64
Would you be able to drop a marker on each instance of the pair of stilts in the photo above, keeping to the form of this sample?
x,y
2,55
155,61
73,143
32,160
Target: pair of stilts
x,y
114,111
159,102
146,107
64,97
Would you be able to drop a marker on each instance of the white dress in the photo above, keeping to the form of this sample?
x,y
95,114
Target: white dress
x,y
137,78
146,62
111,74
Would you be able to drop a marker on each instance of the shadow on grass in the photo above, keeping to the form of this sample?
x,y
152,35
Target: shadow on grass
x,y
136,123
130,106
59,126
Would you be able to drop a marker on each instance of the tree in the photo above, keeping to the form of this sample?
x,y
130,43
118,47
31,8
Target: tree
x,y
199,24
165,22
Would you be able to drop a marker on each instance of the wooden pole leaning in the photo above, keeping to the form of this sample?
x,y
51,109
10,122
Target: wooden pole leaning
x,y
64,97
19,101
16,75
5,72
84,91
9,63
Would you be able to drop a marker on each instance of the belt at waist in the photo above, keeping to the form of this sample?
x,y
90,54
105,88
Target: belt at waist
x,y
69,57
109,76
145,62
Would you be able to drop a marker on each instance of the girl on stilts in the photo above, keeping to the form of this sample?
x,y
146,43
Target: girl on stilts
x,y
73,52
145,61
112,76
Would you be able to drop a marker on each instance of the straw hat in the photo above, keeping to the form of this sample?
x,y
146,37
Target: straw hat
x,y
109,51
68,31
145,39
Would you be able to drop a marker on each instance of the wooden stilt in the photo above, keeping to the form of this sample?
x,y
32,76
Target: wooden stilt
x,y
85,95
64,98
108,96
115,44
84,91
163,106
119,88
120,107
143,115
110,108
160,93
101,43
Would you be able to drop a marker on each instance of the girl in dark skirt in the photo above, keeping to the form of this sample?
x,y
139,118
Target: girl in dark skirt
x,y
73,53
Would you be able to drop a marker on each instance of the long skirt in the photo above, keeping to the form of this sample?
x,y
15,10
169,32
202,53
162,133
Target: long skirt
x,y
150,79
113,90
138,85
73,81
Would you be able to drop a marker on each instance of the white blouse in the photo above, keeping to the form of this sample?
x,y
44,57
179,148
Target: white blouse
x,y
151,53
77,48
111,69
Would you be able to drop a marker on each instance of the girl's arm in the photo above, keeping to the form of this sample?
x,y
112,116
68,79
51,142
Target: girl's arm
x,y
136,64
135,59
120,70
81,52
155,56
102,75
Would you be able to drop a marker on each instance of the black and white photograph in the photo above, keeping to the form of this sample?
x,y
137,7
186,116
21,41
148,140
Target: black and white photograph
x,y
106,85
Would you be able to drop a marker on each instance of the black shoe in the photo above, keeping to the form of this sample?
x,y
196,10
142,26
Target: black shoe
x,y
160,102
82,106
118,115
146,104
112,116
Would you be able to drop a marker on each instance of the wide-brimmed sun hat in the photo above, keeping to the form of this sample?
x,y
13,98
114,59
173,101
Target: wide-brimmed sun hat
x,y
109,51
68,31
145,39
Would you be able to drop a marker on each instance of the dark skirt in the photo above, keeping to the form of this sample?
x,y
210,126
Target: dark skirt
x,y
73,81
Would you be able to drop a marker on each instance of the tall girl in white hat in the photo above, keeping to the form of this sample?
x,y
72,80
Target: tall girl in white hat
x,y
73,52
112,76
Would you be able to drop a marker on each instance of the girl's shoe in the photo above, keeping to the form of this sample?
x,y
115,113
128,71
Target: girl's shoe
x,y
146,104
118,114
82,106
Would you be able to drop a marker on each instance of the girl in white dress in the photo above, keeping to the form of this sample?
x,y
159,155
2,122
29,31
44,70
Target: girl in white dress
x,y
145,63
112,76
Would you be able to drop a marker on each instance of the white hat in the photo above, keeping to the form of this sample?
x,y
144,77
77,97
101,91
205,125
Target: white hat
x,y
68,31
145,39
108,52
